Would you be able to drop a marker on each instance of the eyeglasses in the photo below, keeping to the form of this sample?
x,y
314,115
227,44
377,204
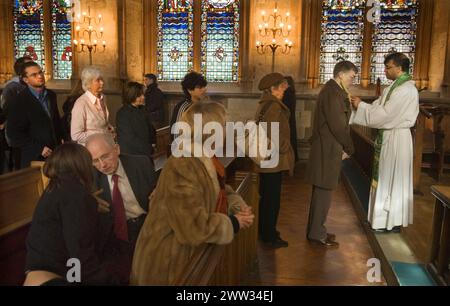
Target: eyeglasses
x,y
104,158
33,75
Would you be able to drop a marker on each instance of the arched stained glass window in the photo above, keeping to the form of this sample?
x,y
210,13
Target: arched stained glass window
x,y
175,39
29,30
220,40
61,39
342,35
395,31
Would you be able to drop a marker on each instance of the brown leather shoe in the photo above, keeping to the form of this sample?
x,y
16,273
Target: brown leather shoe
x,y
326,243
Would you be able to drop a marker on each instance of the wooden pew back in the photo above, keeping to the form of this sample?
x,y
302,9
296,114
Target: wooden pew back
x,y
19,194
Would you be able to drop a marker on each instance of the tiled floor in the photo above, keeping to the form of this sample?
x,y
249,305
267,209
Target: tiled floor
x,y
305,264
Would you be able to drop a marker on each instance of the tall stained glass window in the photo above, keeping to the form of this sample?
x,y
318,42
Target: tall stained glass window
x,y
29,30
395,31
342,35
175,39
220,40
61,39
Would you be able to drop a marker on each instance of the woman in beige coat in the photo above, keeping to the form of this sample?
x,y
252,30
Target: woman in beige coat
x,y
272,110
187,211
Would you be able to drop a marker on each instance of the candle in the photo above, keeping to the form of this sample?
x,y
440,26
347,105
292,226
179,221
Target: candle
x,y
101,30
263,13
275,11
90,28
289,27
288,14
274,41
78,28
104,43
290,44
95,41
260,26
99,16
84,13
281,25
82,41
75,42
266,25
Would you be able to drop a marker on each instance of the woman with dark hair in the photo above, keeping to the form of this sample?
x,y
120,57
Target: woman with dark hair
x,y
135,133
290,101
76,92
66,224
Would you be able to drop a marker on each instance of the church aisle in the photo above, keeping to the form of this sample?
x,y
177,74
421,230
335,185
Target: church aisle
x,y
305,264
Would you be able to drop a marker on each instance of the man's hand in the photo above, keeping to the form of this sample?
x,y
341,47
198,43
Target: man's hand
x,y
46,152
355,101
345,156
103,206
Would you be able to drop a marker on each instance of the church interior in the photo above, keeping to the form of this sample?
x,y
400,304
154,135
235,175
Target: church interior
x,y
233,44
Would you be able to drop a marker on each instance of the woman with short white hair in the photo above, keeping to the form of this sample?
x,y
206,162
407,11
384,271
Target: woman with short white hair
x,y
90,113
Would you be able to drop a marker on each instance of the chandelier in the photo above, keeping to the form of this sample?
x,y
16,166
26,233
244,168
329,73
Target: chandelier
x,y
88,38
275,30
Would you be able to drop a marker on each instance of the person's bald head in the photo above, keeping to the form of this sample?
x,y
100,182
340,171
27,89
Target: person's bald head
x,y
104,151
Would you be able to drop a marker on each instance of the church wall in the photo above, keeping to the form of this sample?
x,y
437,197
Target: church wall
x,y
124,59
440,31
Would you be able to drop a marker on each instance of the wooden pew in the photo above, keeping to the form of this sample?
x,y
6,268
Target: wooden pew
x,y
19,194
162,147
229,264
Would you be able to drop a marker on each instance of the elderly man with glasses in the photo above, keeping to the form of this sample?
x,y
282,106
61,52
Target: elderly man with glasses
x,y
126,182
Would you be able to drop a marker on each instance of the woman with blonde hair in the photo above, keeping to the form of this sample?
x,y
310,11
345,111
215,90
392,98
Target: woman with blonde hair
x,y
191,207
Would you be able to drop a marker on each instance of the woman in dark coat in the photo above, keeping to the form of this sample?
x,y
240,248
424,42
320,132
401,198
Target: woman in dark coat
x,y
76,92
135,133
66,224
290,101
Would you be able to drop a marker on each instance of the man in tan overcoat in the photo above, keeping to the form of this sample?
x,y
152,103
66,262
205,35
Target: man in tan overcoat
x,y
330,144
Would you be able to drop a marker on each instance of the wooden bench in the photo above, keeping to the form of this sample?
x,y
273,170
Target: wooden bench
x,y
19,194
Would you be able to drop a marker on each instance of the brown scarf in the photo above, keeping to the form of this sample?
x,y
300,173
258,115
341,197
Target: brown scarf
x,y
222,203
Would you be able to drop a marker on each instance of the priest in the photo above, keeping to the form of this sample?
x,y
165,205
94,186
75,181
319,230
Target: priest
x,y
393,114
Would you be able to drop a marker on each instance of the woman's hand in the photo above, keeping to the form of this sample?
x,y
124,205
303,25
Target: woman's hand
x,y
245,218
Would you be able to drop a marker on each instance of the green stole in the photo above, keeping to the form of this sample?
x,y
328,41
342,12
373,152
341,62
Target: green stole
x,y
379,140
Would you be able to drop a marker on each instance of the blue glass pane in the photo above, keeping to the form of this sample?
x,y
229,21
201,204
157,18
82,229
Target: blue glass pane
x,y
175,47
29,30
220,40
342,35
61,38
395,32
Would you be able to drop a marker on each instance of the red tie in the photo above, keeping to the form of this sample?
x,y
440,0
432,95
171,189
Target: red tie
x,y
120,219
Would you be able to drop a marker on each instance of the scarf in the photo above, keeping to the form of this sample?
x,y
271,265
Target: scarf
x,y
222,203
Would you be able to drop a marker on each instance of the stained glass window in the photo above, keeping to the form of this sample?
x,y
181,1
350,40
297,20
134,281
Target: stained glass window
x,y
175,39
29,30
220,40
342,35
395,31
61,38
